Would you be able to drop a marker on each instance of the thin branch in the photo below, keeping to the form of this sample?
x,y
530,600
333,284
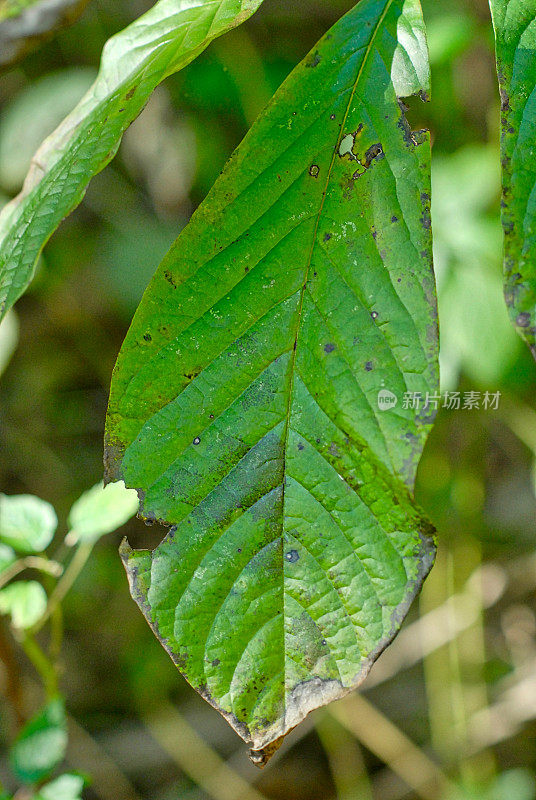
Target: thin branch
x,y
379,735
197,759
76,565
42,664
31,562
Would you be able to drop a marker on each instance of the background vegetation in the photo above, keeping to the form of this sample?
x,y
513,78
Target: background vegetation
x,y
449,710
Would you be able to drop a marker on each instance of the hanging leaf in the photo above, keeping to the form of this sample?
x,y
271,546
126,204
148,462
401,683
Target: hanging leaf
x,y
134,62
27,523
258,400
41,745
514,22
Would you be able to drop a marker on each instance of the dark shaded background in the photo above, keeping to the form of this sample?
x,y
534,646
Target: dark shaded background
x,y
460,681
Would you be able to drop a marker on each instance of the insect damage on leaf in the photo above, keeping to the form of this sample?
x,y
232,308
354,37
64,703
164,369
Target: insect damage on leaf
x,y
245,403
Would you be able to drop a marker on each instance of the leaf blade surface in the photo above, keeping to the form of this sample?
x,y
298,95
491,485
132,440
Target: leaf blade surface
x,y
244,404
514,23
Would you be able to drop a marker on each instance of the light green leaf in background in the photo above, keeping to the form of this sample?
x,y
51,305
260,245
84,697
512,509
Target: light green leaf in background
x,y
134,62
32,115
41,745
514,22
23,23
101,510
25,601
476,337
27,523
258,400
9,338
7,557
66,787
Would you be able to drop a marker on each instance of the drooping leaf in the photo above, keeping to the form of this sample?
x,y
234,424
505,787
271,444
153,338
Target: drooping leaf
x,y
514,22
25,601
27,523
134,62
23,23
101,510
41,745
258,400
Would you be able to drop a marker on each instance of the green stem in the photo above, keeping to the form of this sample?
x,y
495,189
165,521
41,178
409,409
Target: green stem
x,y
56,633
76,565
42,664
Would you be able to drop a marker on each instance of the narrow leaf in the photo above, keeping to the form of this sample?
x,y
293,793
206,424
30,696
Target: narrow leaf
x,y
27,523
41,745
134,62
101,510
257,402
514,22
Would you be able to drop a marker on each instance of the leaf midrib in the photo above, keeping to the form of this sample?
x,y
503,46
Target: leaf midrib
x,y
299,318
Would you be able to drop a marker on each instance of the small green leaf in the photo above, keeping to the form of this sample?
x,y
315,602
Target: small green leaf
x,y
134,62
41,745
7,557
514,22
66,787
258,399
27,523
26,601
101,510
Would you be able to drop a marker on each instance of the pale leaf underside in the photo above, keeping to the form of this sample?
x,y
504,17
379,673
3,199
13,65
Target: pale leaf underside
x,y
244,404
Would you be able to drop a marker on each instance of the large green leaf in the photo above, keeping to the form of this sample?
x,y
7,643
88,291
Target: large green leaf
x,y
245,401
515,34
134,62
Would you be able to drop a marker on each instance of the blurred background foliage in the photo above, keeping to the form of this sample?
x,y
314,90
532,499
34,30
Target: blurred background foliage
x,y
449,711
